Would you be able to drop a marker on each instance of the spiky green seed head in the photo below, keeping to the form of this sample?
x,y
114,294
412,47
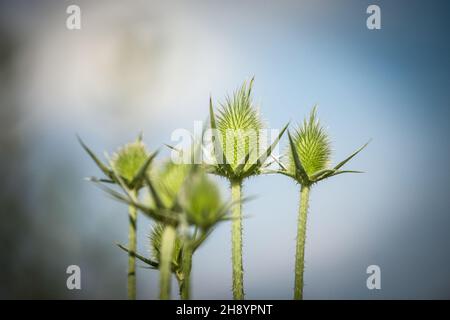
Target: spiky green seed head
x,y
312,145
155,245
239,125
202,201
129,159
169,181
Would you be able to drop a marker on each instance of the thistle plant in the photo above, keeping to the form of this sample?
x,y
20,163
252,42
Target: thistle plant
x,y
200,208
128,166
156,252
164,188
161,211
181,259
309,158
185,205
237,157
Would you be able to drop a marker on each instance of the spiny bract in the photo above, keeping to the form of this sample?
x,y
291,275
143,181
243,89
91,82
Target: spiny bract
x,y
312,145
129,159
155,244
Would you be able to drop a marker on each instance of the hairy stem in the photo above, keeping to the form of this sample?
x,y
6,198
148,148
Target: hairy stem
x,y
165,265
185,287
132,218
236,241
180,280
301,236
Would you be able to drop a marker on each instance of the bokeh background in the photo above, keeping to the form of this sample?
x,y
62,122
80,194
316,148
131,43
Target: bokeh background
x,y
151,65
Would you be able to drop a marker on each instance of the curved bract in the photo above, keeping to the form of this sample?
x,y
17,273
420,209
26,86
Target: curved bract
x,y
155,246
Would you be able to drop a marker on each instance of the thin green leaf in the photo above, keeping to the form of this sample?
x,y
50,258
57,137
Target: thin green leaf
x,y
173,148
116,195
283,172
347,171
100,180
218,152
317,175
335,173
298,165
97,161
197,242
150,262
340,164
119,179
140,175
242,165
158,201
158,215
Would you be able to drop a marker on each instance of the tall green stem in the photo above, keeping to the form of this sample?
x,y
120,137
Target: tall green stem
x,y
185,286
301,236
236,241
165,265
132,218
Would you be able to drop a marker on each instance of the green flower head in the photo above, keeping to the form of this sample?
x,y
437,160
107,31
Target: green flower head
x,y
169,180
202,202
128,165
236,136
155,245
312,145
239,124
309,154
129,159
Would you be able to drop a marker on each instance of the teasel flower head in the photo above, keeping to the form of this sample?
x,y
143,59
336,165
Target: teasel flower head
x,y
202,202
239,124
168,181
155,246
129,159
312,145
129,165
236,136
309,153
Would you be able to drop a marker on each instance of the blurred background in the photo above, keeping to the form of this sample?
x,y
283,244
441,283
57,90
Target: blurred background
x,y
151,66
